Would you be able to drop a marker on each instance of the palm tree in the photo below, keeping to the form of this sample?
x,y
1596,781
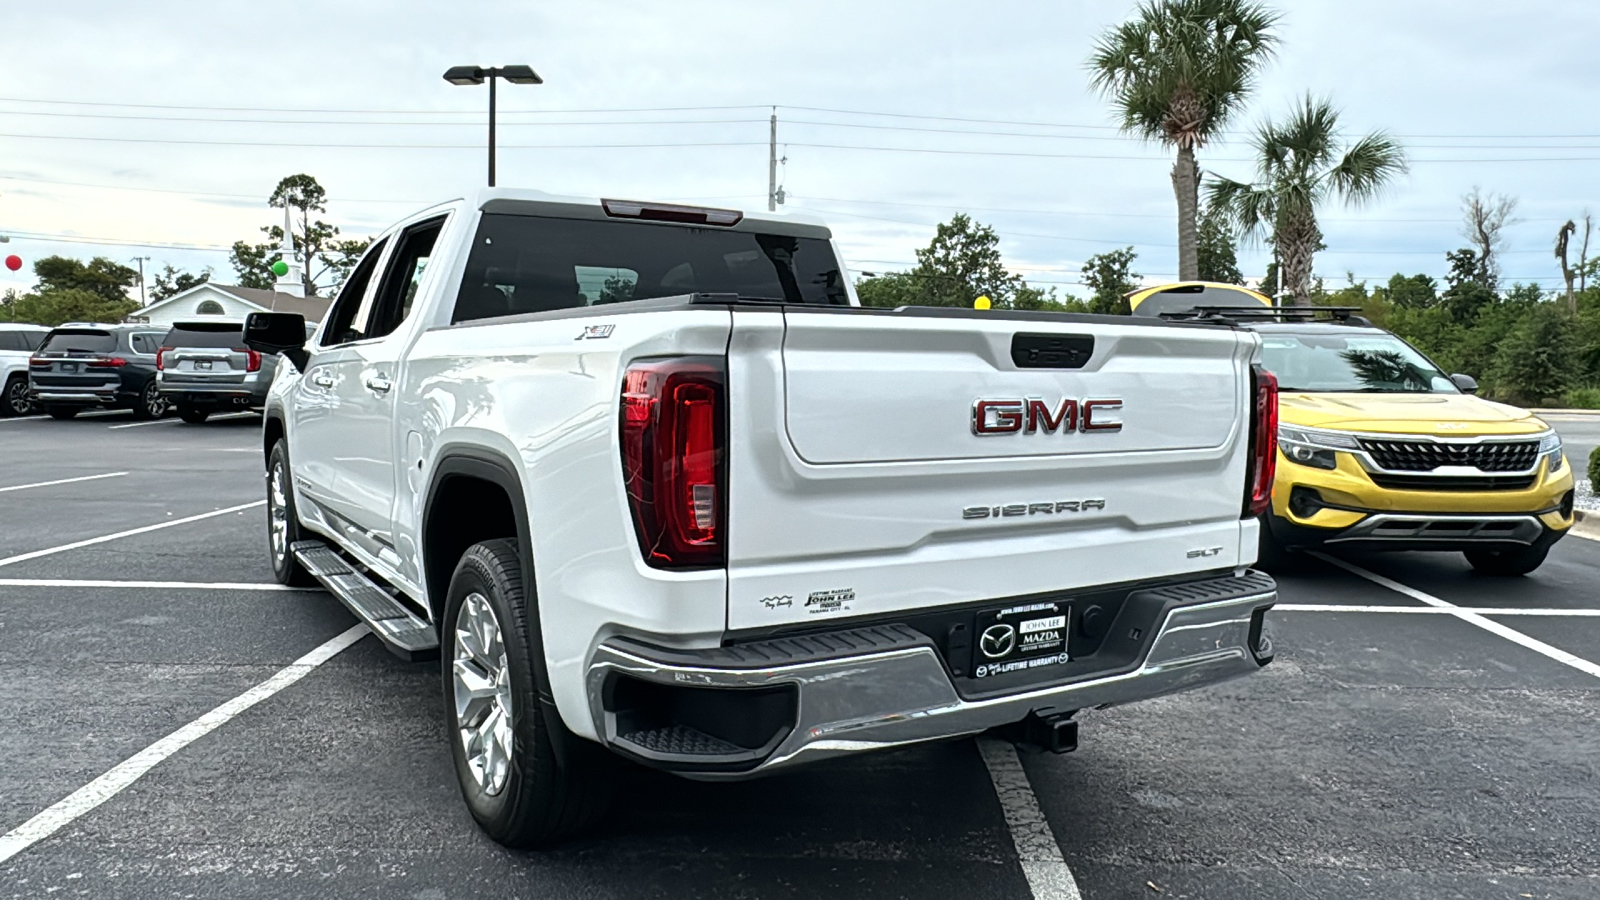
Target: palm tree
x,y
1175,72
1299,165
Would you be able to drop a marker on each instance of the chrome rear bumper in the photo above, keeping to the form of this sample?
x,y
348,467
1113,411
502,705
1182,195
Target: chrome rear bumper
x,y
900,692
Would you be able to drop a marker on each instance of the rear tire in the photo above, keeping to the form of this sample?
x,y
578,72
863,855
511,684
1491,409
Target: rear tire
x,y
504,757
1507,563
283,522
1272,556
63,412
16,401
193,415
150,405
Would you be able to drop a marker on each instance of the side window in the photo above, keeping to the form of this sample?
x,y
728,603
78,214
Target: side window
x,y
401,279
9,340
343,325
31,341
144,343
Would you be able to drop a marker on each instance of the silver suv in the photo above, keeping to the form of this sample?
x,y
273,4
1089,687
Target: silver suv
x,y
204,367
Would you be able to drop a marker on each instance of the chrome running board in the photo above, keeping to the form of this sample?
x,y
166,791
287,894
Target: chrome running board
x,y
406,634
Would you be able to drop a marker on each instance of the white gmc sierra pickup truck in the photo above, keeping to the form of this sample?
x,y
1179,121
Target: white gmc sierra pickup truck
x,y
653,485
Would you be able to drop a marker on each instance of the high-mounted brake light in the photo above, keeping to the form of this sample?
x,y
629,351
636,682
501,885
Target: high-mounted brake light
x,y
670,212
252,358
674,427
1263,442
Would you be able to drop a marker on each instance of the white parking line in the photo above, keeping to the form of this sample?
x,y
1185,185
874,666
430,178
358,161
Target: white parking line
x,y
98,791
48,551
1047,873
155,585
1475,610
236,415
1470,617
23,418
23,487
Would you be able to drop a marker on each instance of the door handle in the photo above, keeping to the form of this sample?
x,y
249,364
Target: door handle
x,y
378,384
322,379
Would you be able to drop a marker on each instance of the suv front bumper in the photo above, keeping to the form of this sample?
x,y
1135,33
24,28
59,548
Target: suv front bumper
x,y
883,686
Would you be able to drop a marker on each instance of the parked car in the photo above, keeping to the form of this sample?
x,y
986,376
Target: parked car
x,y
81,366
656,486
1379,449
17,343
204,367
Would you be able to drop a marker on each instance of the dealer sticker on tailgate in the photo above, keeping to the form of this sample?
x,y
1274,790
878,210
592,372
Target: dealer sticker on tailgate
x,y
1020,637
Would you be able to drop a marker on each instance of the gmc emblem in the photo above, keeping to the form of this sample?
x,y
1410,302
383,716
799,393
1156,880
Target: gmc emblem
x,y
1034,415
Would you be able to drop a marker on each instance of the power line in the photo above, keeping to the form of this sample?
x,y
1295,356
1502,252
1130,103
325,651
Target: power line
x,y
397,112
127,140
384,123
956,206
112,242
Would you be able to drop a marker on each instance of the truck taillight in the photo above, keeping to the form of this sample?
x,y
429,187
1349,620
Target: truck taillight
x,y
1263,442
252,358
674,427
161,362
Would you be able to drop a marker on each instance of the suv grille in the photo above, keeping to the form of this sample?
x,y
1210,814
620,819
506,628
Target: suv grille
x,y
1452,482
1425,456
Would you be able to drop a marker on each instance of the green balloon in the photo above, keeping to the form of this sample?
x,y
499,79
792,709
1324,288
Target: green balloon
x,y
280,268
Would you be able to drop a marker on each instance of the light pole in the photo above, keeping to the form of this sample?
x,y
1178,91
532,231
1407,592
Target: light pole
x,y
464,75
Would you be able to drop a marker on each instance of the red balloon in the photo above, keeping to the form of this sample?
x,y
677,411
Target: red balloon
x,y
13,262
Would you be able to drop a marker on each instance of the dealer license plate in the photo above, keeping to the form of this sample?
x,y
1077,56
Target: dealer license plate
x,y
1019,638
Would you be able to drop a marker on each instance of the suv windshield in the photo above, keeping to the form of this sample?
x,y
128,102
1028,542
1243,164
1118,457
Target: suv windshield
x,y
1369,363
205,334
80,341
525,264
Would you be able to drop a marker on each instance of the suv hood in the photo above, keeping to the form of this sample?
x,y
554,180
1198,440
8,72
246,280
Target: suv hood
x,y
1443,415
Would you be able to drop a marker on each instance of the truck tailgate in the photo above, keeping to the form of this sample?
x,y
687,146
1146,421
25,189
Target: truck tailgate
x,y
902,460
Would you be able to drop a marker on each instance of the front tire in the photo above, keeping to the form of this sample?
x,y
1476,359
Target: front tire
x,y
1507,563
283,522
150,405
193,414
500,738
16,401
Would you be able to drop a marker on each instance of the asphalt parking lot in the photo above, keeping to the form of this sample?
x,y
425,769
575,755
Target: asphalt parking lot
x,y
1424,733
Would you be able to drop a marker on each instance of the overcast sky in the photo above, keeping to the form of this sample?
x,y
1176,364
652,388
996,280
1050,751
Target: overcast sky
x,y
110,120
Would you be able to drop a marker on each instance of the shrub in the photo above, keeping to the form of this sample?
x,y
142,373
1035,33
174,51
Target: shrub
x,y
1594,469
1582,398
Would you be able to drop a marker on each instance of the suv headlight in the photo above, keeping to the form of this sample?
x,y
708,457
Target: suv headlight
x,y
1550,449
1313,448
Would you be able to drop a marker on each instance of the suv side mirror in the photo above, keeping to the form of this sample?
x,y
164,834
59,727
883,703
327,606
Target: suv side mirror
x,y
275,332
1466,383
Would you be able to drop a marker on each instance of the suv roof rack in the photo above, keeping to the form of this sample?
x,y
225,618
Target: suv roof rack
x,y
1341,315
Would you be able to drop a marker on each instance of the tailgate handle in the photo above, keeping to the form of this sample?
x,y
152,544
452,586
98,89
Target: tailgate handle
x,y
1051,351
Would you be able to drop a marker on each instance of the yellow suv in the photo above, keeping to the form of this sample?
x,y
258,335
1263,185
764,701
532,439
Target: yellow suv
x,y
1380,450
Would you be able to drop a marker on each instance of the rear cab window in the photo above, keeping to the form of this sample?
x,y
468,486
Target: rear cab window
x,y
529,263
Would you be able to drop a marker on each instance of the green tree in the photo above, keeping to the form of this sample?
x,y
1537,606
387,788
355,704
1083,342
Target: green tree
x,y
59,305
1175,73
1110,278
888,290
1219,258
325,259
1467,292
1537,360
1411,292
1029,297
100,276
1299,166
959,265
170,281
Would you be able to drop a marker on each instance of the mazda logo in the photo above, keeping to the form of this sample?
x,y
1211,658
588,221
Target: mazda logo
x,y
997,640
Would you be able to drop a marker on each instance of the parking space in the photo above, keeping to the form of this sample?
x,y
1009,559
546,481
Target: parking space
x,y
1389,751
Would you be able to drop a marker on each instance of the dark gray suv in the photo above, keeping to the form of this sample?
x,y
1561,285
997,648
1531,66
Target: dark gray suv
x,y
205,368
80,366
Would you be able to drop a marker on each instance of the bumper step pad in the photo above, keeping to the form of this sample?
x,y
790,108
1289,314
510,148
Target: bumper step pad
x,y
406,634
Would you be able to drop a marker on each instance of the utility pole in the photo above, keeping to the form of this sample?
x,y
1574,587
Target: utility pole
x,y
141,260
772,164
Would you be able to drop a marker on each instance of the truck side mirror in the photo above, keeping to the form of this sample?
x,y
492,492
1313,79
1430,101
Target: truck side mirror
x,y
275,332
1466,383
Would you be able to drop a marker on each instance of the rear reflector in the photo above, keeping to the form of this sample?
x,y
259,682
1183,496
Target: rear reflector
x,y
1263,443
668,212
673,422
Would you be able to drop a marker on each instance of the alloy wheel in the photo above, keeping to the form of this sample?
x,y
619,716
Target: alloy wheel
x,y
17,398
278,514
482,693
